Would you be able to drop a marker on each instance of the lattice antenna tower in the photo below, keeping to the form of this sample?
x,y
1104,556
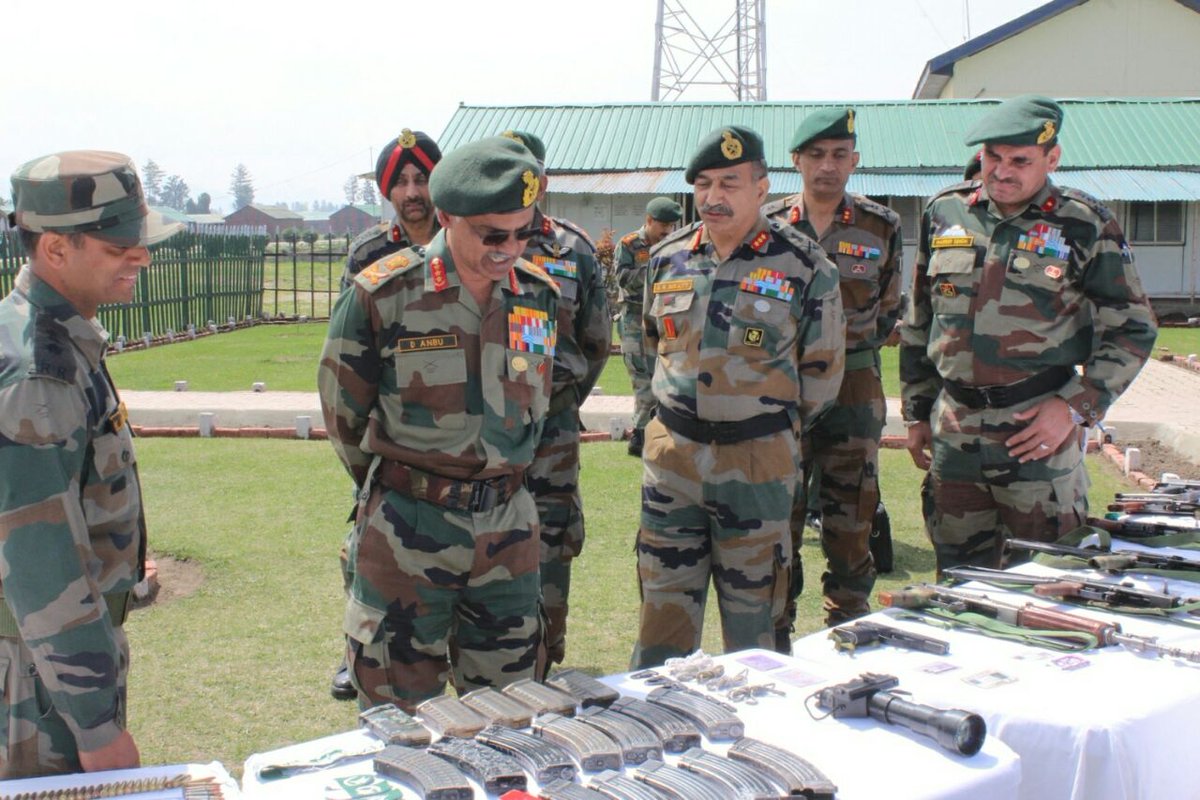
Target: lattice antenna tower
x,y
734,57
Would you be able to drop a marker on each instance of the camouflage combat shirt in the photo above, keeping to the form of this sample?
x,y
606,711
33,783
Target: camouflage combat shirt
x,y
413,372
864,242
373,244
566,253
629,260
759,332
997,300
71,523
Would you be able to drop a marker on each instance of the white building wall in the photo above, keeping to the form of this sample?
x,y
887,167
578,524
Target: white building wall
x,y
1103,48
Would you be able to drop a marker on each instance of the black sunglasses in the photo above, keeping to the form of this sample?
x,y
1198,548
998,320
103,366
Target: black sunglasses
x,y
497,238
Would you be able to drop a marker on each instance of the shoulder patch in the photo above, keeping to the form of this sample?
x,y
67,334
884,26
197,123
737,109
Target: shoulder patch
x,y
1088,200
388,267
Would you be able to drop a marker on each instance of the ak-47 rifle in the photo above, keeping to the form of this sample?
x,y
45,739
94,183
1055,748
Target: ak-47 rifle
x,y
1071,588
1097,633
1109,560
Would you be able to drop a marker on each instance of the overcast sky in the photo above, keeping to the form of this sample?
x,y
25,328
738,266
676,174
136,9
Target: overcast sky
x,y
305,93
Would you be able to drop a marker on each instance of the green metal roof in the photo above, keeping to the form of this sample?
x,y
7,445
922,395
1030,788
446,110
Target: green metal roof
x,y
894,135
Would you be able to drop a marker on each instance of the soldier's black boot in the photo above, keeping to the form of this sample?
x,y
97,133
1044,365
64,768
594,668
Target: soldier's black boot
x,y
341,688
636,439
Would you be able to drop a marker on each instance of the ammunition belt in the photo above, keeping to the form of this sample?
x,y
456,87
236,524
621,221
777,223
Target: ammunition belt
x,y
458,495
119,605
724,432
1003,396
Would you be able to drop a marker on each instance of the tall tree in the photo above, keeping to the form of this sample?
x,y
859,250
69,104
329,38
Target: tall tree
x,y
241,186
350,187
152,177
204,204
174,193
368,193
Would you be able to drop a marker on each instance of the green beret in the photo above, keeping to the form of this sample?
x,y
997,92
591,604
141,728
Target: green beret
x,y
87,191
490,176
664,209
828,123
1025,120
531,141
724,147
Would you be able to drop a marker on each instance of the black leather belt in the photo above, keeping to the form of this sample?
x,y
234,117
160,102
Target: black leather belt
x,y
724,432
1009,394
457,495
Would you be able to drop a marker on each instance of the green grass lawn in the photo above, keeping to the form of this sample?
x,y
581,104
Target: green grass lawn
x,y
1179,341
243,664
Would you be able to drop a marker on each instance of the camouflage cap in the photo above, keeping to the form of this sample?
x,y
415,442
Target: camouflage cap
x,y
1025,120
664,209
826,123
409,147
491,176
87,191
530,140
724,147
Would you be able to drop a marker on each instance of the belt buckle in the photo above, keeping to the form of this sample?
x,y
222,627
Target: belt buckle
x,y
484,497
993,396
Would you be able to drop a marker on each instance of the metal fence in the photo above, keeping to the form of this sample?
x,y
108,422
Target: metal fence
x,y
211,273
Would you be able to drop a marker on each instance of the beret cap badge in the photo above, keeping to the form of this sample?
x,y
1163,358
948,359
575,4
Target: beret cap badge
x,y
850,121
1047,132
730,147
532,184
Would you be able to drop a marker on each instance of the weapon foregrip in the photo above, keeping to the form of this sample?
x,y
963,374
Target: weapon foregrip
x,y
1048,619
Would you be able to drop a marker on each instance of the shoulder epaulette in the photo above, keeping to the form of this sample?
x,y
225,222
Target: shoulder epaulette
x,y
803,243
954,188
1088,200
679,234
629,238
578,231
878,209
776,206
533,270
388,267
367,235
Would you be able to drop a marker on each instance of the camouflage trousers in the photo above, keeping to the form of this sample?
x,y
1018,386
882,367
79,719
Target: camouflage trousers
x,y
638,364
719,511
982,495
842,473
36,740
424,578
553,479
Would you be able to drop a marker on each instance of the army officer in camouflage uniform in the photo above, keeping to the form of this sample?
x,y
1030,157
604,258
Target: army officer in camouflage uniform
x,y
1018,281
863,239
72,532
563,250
434,383
402,175
630,260
746,320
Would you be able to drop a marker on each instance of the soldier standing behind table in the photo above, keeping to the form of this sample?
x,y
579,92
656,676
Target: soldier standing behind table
x,y
434,383
746,320
630,259
1017,282
72,529
863,239
564,251
402,175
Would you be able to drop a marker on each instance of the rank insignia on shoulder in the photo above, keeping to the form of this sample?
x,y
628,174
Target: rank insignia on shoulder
x,y
560,267
396,262
375,273
947,289
753,337
669,287
628,238
954,236
769,283
437,269
760,240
